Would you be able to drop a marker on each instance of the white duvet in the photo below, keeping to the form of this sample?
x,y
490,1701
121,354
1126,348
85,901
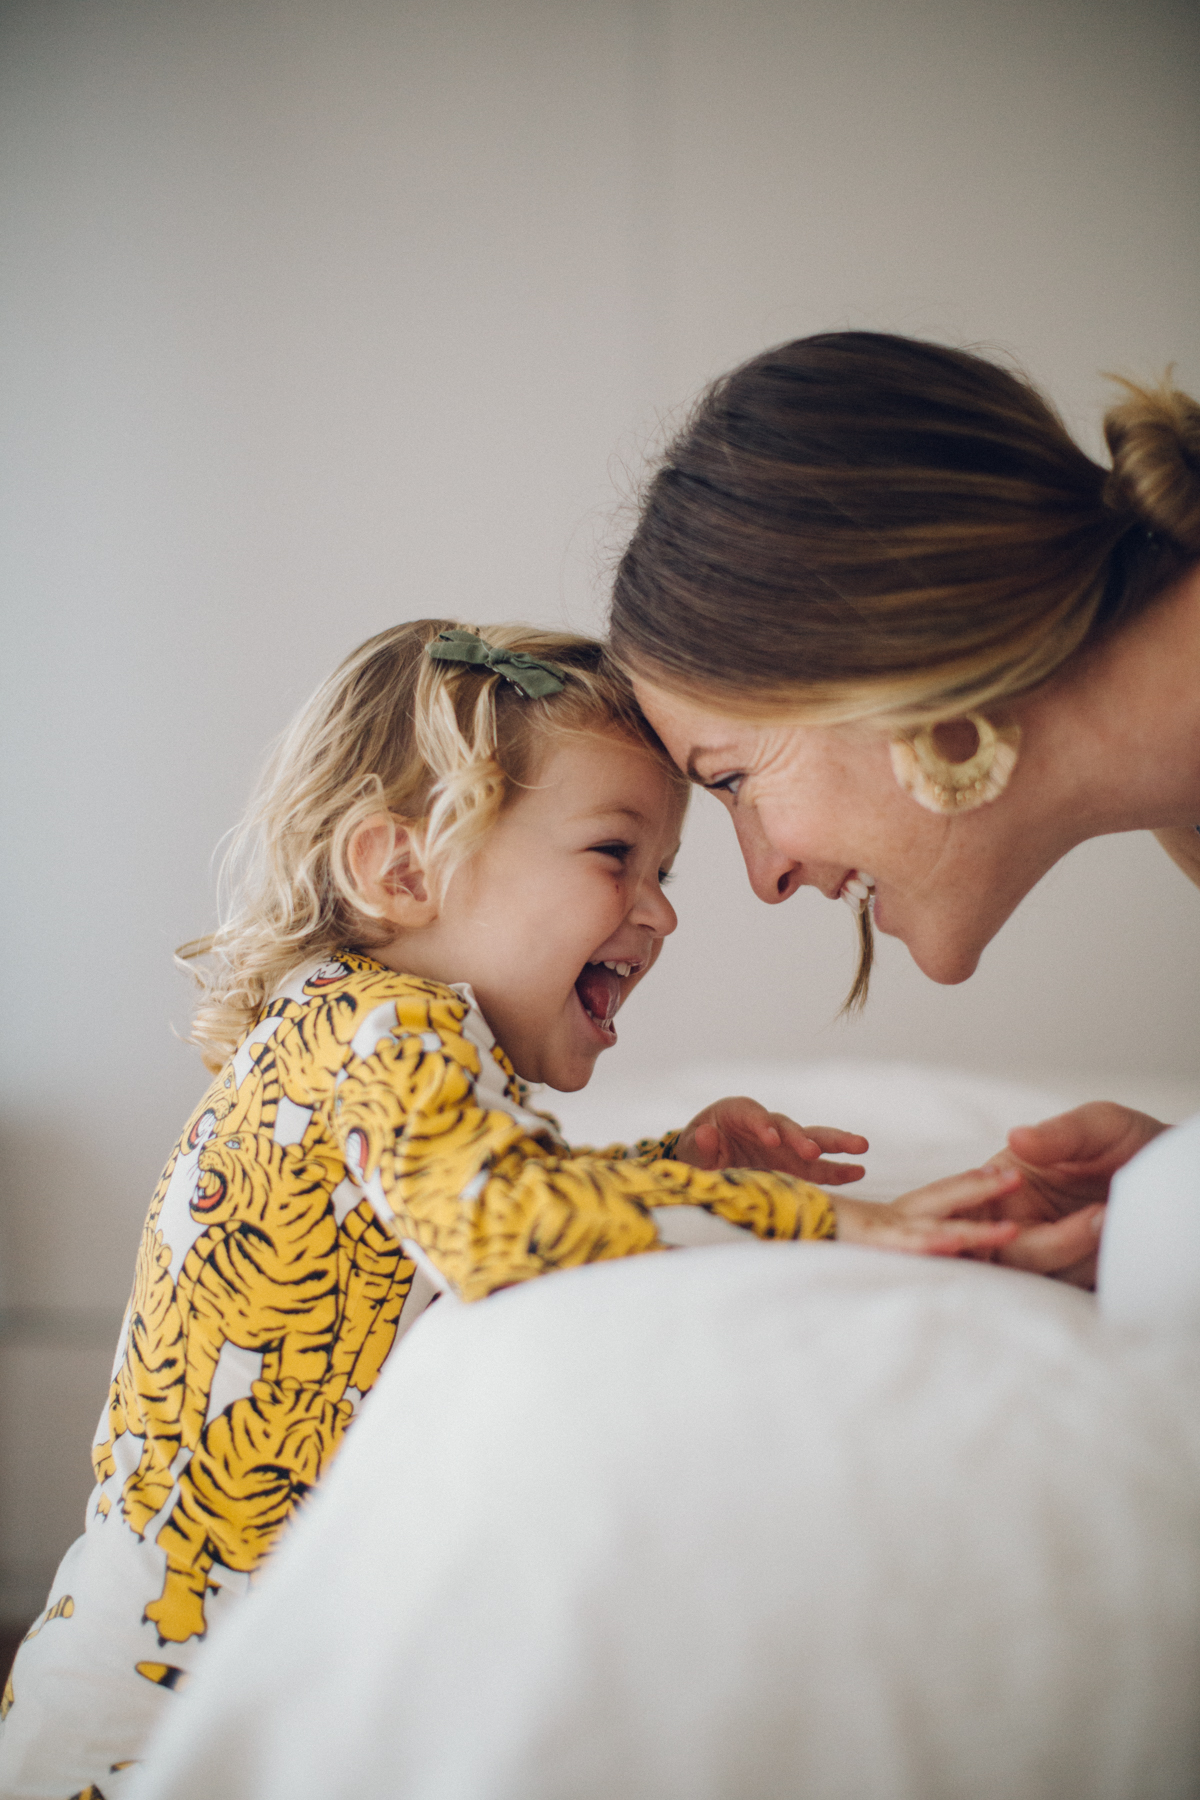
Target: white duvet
x,y
749,1520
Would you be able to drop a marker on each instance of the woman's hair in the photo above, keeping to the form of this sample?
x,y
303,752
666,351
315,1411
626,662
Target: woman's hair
x,y
857,526
860,526
440,746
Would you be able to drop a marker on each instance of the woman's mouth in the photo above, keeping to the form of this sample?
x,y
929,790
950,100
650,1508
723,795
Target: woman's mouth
x,y
857,889
601,989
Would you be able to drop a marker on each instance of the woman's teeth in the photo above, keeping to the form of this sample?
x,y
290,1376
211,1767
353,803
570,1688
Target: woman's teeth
x,y
856,889
619,968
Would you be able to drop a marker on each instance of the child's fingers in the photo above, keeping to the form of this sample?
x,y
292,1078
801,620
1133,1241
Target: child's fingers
x,y
812,1141
828,1138
790,1136
955,1193
944,1237
960,1237
833,1174
707,1140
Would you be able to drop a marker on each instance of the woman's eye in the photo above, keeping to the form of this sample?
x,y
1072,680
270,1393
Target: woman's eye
x,y
728,784
665,875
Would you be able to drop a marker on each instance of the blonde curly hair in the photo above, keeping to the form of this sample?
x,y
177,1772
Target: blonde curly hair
x,y
441,747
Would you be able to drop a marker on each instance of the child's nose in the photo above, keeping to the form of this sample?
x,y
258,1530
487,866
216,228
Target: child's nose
x,y
655,910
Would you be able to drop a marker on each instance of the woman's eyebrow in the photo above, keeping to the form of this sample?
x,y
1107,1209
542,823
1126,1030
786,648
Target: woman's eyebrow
x,y
690,769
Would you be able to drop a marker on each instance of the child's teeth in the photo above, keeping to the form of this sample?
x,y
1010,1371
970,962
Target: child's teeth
x,y
619,968
858,887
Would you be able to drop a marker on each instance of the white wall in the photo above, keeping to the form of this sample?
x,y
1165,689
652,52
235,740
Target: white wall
x,y
323,316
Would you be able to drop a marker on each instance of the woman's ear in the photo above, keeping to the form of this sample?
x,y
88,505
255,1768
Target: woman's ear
x,y
385,861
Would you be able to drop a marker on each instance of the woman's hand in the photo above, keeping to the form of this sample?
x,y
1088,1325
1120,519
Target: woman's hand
x,y
1065,1165
740,1134
929,1221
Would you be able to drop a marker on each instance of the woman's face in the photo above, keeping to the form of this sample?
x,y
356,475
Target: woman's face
x,y
813,806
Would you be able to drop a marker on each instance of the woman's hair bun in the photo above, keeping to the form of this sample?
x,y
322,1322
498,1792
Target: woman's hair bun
x,y
1154,437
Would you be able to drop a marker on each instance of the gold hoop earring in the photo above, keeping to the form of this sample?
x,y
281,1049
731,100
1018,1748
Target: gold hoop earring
x,y
942,786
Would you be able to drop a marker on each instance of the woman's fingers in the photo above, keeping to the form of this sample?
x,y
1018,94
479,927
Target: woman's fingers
x,y
1065,1248
1098,1135
928,1222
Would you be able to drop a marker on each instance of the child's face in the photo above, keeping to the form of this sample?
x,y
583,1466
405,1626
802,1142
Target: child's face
x,y
569,879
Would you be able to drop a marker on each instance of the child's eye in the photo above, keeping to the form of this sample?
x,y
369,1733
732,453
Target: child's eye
x,y
665,875
728,784
619,850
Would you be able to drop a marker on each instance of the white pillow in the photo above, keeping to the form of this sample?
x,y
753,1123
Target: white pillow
x,y
756,1520
1150,1251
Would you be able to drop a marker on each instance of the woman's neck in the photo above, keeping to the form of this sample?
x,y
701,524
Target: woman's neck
x,y
1118,732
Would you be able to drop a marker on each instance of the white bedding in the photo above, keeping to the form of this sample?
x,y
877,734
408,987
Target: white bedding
x,y
746,1521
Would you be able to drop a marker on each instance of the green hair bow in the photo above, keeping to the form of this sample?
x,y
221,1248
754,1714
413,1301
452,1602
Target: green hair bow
x,y
534,678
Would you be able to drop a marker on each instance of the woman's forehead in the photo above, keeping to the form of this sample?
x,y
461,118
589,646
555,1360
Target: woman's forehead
x,y
692,727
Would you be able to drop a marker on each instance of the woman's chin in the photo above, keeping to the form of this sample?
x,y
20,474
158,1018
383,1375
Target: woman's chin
x,y
942,960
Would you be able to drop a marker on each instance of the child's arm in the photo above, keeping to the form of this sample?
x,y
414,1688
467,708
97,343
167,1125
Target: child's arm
x,y
740,1133
491,1203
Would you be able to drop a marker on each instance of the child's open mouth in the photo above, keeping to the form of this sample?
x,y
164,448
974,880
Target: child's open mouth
x,y
600,991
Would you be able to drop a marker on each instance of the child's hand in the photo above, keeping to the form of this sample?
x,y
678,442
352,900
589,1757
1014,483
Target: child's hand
x,y
740,1134
927,1222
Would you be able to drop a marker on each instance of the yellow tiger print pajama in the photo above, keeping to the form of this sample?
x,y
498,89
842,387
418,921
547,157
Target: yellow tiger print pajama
x,y
367,1145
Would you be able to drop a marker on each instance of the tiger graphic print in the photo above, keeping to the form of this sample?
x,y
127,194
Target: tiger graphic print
x,y
367,1146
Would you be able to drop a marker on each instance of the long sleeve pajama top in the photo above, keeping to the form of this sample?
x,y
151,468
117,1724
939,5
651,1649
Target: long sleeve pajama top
x,y
367,1145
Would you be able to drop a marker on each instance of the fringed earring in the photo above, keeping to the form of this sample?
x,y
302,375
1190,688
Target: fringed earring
x,y
942,786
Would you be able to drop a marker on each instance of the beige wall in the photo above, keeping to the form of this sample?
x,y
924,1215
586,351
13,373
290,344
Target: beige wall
x,y
322,316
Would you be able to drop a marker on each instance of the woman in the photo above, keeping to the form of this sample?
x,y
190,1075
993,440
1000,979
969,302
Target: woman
x,y
921,646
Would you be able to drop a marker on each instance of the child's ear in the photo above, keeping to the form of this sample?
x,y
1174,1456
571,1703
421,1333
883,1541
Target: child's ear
x,y
385,861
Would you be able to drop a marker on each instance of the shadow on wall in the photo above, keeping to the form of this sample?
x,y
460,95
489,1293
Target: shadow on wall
x,y
66,1252
54,1373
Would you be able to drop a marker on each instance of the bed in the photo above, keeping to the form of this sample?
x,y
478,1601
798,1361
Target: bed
x,y
753,1520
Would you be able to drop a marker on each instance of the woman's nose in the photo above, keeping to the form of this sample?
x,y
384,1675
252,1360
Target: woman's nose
x,y
774,876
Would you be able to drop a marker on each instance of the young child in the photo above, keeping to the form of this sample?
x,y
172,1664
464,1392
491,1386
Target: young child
x,y
449,882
